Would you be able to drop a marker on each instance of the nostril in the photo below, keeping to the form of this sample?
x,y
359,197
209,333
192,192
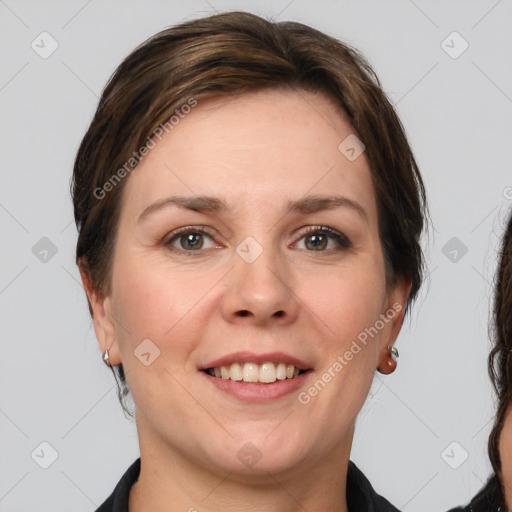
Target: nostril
x,y
244,312
279,313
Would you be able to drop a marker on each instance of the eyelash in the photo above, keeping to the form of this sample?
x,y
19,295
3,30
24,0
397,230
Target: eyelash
x,y
175,235
341,239
343,242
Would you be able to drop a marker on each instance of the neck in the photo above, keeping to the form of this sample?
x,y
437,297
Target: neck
x,y
168,476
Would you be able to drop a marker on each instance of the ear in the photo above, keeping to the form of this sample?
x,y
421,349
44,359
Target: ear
x,y
103,320
394,310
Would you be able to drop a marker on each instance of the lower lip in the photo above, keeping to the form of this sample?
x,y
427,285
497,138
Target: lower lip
x,y
258,393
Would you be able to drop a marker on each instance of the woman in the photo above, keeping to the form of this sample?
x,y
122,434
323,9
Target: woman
x,y
249,214
496,496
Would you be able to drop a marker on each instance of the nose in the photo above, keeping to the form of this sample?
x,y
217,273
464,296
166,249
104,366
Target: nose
x,y
260,293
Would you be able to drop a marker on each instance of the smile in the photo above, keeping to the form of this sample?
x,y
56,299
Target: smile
x,y
266,373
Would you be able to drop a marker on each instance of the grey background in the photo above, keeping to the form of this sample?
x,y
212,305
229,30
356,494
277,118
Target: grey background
x,y
457,113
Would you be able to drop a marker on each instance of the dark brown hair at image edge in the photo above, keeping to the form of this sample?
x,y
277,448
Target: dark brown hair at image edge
x,y
500,358
221,56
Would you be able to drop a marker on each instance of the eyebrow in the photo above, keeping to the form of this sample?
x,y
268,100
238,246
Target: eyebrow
x,y
305,206
313,204
196,204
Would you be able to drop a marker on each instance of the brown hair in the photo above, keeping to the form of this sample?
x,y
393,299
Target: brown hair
x,y
500,358
234,53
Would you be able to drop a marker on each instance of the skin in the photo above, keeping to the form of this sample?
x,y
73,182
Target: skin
x,y
256,152
505,448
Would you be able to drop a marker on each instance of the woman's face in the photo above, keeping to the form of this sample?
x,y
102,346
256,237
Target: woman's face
x,y
256,277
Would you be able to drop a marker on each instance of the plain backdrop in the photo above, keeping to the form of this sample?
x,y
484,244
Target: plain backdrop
x,y
422,436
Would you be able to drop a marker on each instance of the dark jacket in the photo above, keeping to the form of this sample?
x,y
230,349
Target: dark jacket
x,y
360,495
489,499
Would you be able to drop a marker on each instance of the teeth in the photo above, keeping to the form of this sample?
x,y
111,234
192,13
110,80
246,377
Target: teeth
x,y
281,371
266,373
235,372
250,372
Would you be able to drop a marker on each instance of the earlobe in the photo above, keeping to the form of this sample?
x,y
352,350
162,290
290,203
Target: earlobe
x,y
396,306
388,361
103,320
107,328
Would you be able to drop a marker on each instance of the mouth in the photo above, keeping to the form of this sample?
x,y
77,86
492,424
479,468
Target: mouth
x,y
252,372
257,378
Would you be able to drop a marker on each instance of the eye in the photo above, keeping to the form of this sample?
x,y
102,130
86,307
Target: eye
x,y
190,239
322,238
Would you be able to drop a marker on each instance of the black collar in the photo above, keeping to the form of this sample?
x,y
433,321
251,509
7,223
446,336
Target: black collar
x,y
360,494
488,499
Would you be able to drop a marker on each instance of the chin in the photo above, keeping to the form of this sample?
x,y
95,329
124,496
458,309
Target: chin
x,y
250,457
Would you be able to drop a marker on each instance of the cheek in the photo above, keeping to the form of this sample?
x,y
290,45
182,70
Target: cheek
x,y
151,303
348,305
156,301
142,303
505,448
346,302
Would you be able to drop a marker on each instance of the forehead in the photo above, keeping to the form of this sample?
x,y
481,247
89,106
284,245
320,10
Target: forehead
x,y
265,147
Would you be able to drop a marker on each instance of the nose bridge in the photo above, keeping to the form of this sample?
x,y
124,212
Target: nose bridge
x,y
258,286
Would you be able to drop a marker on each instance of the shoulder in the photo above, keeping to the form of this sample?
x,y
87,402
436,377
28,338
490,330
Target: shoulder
x,y
488,499
118,500
361,497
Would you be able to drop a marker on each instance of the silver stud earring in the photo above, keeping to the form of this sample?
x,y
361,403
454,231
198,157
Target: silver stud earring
x,y
105,358
394,352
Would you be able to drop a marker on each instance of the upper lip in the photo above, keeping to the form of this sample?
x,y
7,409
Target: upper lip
x,y
251,357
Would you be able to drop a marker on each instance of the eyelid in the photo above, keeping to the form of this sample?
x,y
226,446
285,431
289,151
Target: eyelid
x,y
187,229
340,238
203,230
